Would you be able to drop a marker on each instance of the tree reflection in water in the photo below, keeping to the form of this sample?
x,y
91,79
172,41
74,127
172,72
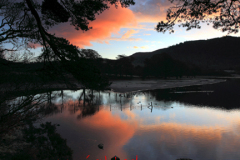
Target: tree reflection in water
x,y
20,139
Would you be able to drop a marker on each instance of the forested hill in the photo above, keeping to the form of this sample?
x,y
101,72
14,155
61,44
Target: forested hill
x,y
217,53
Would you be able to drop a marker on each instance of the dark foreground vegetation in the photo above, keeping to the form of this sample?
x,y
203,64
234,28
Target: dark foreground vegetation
x,y
23,135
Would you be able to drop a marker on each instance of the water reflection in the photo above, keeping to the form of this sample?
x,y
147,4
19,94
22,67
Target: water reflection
x,y
148,126
159,124
221,95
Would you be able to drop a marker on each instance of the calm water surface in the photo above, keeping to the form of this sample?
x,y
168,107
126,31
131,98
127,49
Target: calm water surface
x,y
201,123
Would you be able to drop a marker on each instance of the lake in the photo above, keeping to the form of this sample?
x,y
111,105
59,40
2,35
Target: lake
x,y
197,122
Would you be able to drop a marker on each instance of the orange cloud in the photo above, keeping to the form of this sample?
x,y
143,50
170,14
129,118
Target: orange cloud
x,y
140,27
126,36
123,39
143,47
110,21
129,33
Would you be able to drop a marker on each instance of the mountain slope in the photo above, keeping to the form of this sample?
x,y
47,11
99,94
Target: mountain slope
x,y
218,53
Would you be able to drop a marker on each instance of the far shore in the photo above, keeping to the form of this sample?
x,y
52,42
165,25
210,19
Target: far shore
x,y
124,86
139,85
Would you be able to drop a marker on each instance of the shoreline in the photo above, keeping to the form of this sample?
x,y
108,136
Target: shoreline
x,y
125,86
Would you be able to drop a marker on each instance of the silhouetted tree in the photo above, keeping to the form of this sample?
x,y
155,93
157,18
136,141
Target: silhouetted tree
x,y
222,14
89,53
27,21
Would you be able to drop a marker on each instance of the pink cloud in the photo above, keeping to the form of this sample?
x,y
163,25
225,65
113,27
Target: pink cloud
x,y
110,21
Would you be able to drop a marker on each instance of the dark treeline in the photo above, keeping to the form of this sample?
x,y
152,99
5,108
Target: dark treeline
x,y
163,65
158,66
82,68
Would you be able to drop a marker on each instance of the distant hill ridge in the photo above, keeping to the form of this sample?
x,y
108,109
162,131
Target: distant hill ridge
x,y
218,53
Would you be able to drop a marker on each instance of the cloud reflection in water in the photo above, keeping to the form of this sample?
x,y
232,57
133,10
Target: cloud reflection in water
x,y
167,133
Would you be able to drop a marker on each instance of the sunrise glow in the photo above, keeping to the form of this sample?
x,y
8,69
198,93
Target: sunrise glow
x,y
130,30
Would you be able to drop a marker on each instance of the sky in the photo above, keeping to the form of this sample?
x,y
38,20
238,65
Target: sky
x,y
130,30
